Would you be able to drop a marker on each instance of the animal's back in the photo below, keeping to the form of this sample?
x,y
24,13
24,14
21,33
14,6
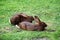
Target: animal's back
x,y
27,25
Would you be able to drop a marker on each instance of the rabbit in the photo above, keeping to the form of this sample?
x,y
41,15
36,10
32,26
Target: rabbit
x,y
17,18
38,26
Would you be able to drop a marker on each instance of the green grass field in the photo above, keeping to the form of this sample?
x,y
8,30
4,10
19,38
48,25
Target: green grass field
x,y
47,10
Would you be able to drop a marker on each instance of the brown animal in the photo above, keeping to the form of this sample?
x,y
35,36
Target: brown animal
x,y
17,18
39,26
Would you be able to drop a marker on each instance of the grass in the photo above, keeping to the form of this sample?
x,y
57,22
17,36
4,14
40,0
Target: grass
x,y
47,10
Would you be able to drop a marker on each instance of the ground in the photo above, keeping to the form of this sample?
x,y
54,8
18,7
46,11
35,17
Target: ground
x,y
47,10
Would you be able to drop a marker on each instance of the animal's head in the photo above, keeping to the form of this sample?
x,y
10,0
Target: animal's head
x,y
43,24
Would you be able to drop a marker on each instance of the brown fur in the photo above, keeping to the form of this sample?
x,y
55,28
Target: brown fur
x,y
40,26
17,18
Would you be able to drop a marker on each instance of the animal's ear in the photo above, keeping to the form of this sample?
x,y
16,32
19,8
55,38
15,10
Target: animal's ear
x,y
37,19
36,16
